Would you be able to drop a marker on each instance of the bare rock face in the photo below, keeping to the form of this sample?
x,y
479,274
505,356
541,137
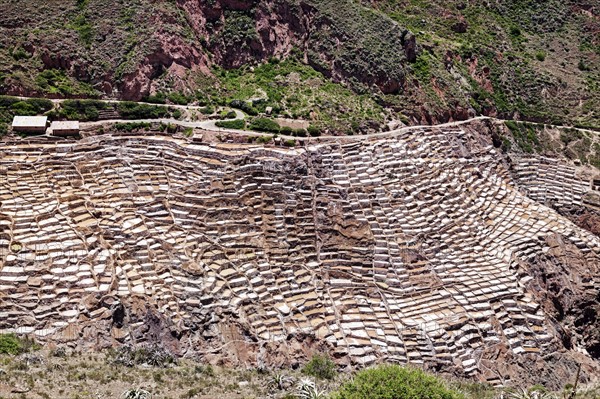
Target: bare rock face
x,y
170,54
417,248
273,29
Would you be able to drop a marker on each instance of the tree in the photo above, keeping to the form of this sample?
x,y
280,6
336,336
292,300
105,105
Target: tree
x,y
395,382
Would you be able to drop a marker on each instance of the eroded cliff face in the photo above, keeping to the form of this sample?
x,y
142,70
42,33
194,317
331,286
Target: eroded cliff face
x,y
130,50
242,33
423,248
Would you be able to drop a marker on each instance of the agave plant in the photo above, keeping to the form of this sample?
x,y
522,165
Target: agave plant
x,y
307,389
280,381
529,394
136,393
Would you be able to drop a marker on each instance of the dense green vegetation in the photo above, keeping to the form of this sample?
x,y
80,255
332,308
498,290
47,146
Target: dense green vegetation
x,y
239,124
83,110
10,344
56,82
133,110
264,125
319,366
525,135
294,90
11,106
131,126
395,382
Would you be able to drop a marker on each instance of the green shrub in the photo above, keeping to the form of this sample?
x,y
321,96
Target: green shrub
x,y
208,110
131,126
239,124
176,113
228,114
178,98
172,128
206,370
7,101
3,129
23,108
55,81
10,344
158,98
320,366
19,53
286,130
40,105
582,66
314,131
244,106
290,143
264,125
395,382
83,110
515,31
83,27
264,139
301,132
33,106
133,110
540,55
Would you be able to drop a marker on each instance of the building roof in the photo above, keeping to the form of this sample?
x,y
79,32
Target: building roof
x,y
30,121
64,125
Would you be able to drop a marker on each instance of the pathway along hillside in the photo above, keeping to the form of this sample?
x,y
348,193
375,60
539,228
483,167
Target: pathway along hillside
x,y
211,124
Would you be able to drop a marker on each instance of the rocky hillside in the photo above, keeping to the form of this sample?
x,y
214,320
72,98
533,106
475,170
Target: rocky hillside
x,y
410,60
430,246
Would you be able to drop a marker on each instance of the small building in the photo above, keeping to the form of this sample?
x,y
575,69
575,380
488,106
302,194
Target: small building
x,y
30,124
65,128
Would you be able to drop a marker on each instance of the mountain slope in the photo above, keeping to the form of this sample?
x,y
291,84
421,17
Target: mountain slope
x,y
423,59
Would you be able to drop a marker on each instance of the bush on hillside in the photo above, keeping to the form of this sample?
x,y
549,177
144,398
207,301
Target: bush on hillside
x,y
395,382
176,113
179,98
286,130
10,344
314,131
264,125
207,110
131,126
40,105
8,101
23,108
300,132
132,110
244,106
32,106
321,367
228,114
239,124
82,110
158,98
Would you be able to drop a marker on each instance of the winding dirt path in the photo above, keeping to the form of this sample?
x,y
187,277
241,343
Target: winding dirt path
x,y
210,125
